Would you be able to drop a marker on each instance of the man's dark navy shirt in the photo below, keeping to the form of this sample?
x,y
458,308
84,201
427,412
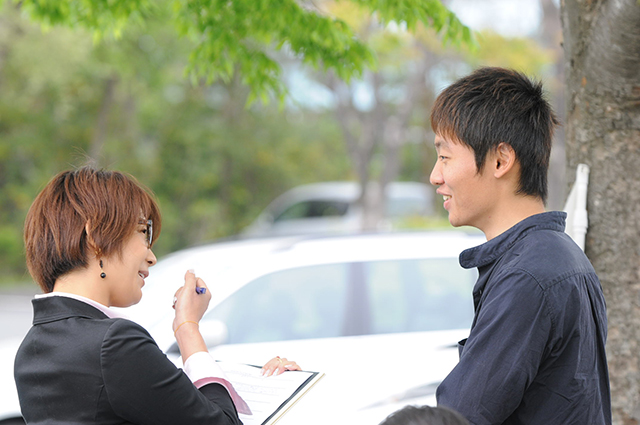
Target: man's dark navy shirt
x,y
536,350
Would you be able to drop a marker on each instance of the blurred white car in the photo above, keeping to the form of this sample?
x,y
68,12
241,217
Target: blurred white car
x,y
331,207
9,407
380,315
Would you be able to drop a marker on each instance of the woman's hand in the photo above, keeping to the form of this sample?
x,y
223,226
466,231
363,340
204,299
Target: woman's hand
x,y
190,305
278,365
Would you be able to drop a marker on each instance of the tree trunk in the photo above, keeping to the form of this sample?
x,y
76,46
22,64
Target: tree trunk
x,y
550,36
361,132
602,68
375,138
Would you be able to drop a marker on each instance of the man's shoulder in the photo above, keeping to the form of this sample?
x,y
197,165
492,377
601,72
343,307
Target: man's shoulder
x,y
548,256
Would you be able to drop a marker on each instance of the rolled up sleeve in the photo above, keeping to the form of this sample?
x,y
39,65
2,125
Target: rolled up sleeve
x,y
202,369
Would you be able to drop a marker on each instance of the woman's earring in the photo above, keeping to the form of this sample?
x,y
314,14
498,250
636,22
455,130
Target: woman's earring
x,y
103,274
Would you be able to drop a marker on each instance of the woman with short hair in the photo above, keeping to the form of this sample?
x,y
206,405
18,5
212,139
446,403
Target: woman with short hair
x,y
88,239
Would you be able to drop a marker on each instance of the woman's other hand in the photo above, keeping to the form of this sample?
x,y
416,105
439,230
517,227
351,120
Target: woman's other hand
x,y
278,365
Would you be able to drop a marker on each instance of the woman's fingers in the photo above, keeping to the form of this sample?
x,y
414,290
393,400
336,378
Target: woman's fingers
x,y
194,283
290,365
190,280
175,297
201,288
191,300
278,365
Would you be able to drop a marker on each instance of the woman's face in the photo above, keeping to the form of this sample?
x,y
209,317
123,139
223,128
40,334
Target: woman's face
x,y
126,274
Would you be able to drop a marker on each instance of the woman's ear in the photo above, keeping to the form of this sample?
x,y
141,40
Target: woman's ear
x,y
91,244
504,160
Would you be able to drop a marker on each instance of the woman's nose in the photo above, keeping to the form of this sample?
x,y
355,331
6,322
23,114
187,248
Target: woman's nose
x,y
151,258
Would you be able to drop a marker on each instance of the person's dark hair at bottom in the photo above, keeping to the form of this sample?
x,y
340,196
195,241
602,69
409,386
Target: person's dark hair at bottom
x,y
425,415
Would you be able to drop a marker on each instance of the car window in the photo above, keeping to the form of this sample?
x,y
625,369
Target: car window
x,y
419,295
350,299
406,206
315,208
300,303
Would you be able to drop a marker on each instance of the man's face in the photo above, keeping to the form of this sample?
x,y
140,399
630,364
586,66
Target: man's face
x,y
467,193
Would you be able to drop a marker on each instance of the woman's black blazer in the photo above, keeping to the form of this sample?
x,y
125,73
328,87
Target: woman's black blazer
x,y
77,366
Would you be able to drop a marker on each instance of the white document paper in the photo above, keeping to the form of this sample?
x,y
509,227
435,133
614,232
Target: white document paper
x,y
268,397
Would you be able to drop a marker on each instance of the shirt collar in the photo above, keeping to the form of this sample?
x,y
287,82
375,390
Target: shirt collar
x,y
109,312
491,250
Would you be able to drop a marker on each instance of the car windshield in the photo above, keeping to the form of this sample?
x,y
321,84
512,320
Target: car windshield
x,y
346,299
313,209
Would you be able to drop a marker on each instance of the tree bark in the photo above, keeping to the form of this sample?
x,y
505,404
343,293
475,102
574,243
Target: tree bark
x,y
550,36
602,69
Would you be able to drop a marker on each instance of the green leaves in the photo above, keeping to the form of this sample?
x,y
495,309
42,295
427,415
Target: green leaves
x,y
103,17
213,164
244,36
430,13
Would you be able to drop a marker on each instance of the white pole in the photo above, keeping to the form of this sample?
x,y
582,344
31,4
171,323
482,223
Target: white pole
x,y
576,207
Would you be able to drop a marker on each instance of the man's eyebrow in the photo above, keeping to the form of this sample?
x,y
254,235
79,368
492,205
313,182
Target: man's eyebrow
x,y
440,143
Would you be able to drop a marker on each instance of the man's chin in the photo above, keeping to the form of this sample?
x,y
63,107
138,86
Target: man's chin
x,y
454,222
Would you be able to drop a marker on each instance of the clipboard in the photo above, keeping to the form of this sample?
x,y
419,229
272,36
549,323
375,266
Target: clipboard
x,y
269,398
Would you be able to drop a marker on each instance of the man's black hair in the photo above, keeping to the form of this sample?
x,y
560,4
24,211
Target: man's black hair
x,y
496,105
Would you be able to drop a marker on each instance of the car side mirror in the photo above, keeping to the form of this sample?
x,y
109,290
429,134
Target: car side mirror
x,y
269,217
214,332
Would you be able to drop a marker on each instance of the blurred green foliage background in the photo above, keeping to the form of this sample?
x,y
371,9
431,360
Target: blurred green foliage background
x,y
213,162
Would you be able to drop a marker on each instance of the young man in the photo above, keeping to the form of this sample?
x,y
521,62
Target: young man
x,y
536,350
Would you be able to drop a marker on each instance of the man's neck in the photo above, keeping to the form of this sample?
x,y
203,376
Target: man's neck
x,y
512,213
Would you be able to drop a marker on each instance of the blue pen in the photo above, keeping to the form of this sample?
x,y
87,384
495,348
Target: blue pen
x,y
200,290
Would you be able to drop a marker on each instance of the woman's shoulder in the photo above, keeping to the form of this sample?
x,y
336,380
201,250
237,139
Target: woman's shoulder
x,y
125,328
123,335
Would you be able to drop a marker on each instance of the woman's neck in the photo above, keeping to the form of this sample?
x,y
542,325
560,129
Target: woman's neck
x,y
83,282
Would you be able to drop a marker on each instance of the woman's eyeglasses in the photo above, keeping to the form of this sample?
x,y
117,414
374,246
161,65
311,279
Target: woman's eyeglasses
x,y
149,231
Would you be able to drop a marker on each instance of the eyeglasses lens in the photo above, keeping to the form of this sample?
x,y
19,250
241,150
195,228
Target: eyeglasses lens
x,y
149,232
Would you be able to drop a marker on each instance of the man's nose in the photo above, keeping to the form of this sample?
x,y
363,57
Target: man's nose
x,y
436,175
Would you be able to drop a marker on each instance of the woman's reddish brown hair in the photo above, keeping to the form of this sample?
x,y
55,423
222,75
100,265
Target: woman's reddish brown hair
x,y
108,203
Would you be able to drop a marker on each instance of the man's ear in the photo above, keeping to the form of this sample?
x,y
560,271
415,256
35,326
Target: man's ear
x,y
504,160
